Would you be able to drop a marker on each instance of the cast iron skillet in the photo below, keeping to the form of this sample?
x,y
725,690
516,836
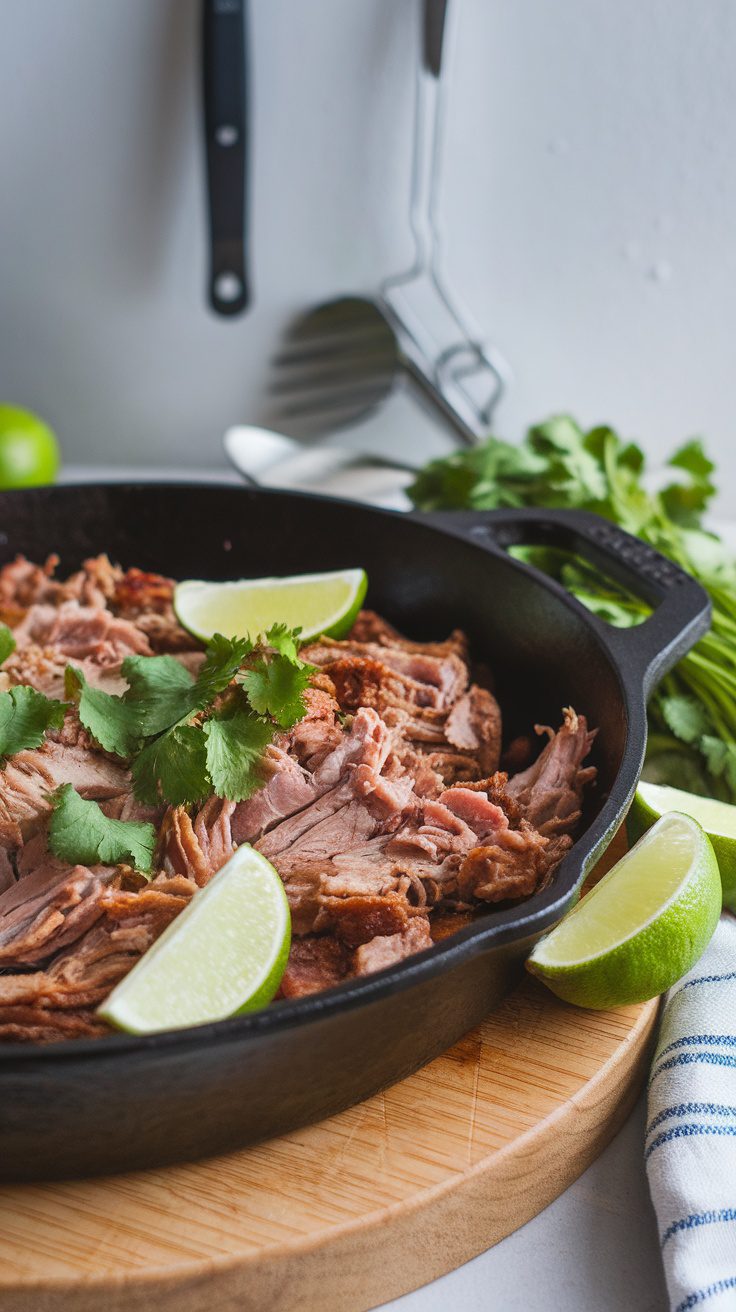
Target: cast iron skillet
x,y
110,1104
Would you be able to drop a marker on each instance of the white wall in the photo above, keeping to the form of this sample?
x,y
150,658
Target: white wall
x,y
590,216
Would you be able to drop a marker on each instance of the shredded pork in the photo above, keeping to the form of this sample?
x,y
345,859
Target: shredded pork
x,y
383,809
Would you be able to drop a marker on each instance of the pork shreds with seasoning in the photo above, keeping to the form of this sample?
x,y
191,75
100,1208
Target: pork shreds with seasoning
x,y
384,809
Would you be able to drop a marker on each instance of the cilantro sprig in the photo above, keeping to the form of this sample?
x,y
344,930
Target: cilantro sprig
x,y
25,716
188,737
692,716
80,832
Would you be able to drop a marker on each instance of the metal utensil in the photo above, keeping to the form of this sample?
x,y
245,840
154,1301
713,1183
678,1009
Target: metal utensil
x,y
224,77
268,459
340,360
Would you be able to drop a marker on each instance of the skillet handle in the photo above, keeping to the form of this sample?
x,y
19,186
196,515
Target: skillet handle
x,y
681,607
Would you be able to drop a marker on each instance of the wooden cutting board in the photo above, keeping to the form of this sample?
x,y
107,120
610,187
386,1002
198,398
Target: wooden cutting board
x,y
359,1209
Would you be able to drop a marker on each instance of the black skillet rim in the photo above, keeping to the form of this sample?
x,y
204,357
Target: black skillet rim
x,y
528,919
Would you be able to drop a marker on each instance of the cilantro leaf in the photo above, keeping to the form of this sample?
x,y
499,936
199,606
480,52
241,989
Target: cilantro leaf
x,y
235,746
160,690
575,474
721,758
284,640
686,500
7,643
173,768
693,458
684,716
224,658
80,832
275,687
25,715
112,721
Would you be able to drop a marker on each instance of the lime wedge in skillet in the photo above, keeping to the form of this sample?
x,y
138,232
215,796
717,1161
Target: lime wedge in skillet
x,y
642,927
225,953
315,603
718,819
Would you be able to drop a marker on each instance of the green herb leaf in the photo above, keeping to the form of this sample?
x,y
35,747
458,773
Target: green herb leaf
x,y
112,721
276,687
721,758
25,715
7,643
160,692
235,747
684,716
173,768
285,641
224,658
80,832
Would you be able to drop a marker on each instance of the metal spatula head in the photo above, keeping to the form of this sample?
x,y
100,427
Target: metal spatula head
x,y
336,364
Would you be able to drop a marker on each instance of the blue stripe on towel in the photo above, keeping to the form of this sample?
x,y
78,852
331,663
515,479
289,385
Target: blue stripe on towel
x,y
687,1132
701,1295
705,979
693,983
688,1040
698,1218
692,1058
691,1109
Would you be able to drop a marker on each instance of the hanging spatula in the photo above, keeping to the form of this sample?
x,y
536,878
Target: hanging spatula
x,y
224,75
341,360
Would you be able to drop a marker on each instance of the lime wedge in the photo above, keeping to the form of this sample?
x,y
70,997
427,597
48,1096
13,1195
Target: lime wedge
x,y
316,603
718,819
224,953
642,927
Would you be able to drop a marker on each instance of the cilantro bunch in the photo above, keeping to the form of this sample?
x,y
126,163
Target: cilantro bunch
x,y
692,716
188,737
185,738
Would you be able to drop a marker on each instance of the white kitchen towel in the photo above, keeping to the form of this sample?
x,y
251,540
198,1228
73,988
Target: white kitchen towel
x,y
690,1148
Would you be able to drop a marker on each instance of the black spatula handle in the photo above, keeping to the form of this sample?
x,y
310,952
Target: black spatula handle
x,y
225,71
434,31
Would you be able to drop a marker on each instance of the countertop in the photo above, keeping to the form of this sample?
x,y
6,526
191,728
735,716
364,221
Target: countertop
x,y
595,1247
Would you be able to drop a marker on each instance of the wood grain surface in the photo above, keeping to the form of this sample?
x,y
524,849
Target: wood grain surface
x,y
359,1209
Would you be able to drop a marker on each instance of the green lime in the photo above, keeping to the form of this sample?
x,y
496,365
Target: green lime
x,y
226,952
642,927
316,603
718,819
29,451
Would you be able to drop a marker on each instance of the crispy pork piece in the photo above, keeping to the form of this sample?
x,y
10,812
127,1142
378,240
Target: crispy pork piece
x,y
43,668
385,951
415,679
147,600
22,584
47,910
29,777
316,962
59,1001
81,632
370,627
458,727
361,751
474,725
549,793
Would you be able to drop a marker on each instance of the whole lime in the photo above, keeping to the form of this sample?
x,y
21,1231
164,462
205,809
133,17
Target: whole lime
x,y
29,451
